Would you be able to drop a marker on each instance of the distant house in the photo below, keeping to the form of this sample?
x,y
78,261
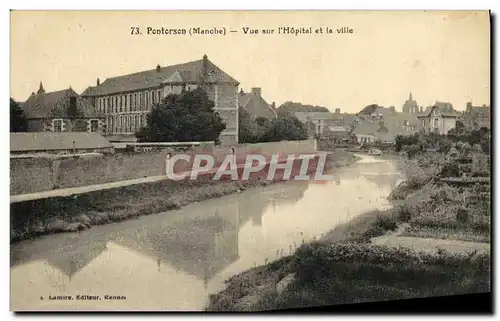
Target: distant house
x,y
385,127
382,112
338,134
477,116
58,143
61,111
256,105
319,121
365,132
439,119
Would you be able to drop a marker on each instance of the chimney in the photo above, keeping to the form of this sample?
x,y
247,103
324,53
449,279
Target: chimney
x,y
337,110
469,107
241,91
98,82
158,68
273,105
256,91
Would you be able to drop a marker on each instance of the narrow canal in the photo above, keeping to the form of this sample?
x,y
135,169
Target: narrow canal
x,y
174,260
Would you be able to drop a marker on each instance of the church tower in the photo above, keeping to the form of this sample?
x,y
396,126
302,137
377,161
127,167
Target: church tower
x,y
40,89
410,106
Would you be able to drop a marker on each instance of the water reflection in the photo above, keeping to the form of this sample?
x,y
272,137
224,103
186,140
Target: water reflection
x,y
174,260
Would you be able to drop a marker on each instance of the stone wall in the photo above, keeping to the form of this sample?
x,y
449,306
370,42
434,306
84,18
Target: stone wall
x,y
36,175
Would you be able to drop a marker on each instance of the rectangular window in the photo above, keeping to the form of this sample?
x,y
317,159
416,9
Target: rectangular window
x,y
57,125
436,122
94,125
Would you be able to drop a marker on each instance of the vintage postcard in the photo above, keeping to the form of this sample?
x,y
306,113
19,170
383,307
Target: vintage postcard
x,y
249,160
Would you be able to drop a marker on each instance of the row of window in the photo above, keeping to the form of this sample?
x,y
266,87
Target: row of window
x,y
126,123
57,125
128,102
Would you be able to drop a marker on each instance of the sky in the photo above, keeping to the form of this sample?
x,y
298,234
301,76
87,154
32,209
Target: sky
x,y
438,56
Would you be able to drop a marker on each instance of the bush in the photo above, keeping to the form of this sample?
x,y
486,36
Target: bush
x,y
405,213
462,216
450,169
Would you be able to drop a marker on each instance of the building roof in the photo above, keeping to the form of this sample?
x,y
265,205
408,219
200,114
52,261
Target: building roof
x,y
444,106
393,124
444,112
481,109
46,141
245,98
366,128
49,104
384,111
337,129
305,116
190,72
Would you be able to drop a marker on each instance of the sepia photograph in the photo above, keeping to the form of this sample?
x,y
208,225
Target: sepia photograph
x,y
250,161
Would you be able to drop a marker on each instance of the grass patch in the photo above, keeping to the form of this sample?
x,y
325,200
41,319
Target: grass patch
x,y
330,274
447,234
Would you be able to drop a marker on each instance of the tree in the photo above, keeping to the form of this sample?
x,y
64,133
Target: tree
x,y
285,128
183,118
290,108
18,122
247,129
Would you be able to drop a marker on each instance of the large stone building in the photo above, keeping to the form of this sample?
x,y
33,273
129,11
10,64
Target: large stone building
x,y
126,100
61,111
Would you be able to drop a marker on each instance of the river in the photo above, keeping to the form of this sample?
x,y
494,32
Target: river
x,y
174,260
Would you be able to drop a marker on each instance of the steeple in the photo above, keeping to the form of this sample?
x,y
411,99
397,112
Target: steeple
x,y
411,98
40,90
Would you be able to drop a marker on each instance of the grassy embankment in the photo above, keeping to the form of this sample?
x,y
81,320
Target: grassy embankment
x,y
68,214
344,267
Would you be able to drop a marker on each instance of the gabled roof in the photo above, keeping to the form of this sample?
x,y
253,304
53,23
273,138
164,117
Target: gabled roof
x,y
444,113
47,104
244,99
366,128
481,109
444,106
190,72
46,141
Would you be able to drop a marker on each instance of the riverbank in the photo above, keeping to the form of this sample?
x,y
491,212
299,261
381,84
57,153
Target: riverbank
x,y
345,266
78,212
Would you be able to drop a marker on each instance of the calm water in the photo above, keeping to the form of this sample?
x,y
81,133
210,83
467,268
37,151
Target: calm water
x,y
173,260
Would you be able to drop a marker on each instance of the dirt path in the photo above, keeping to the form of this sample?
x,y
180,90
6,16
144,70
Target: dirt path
x,y
431,244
